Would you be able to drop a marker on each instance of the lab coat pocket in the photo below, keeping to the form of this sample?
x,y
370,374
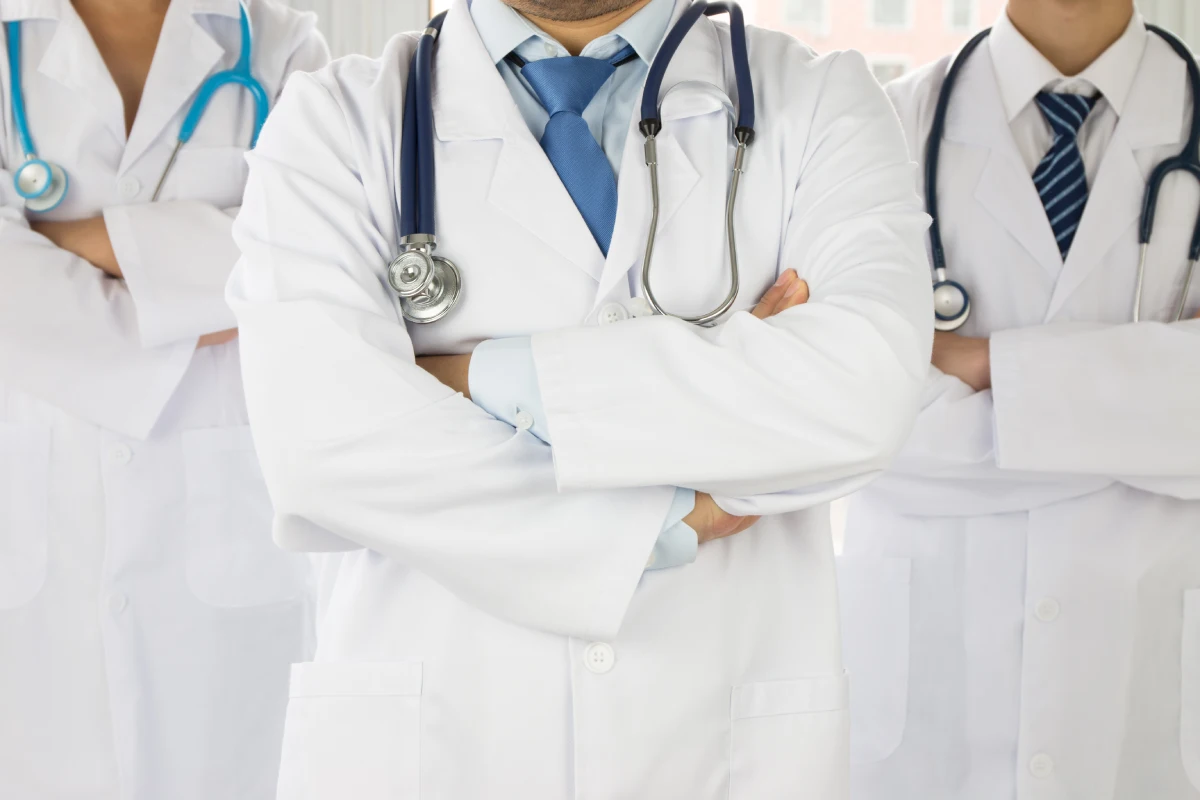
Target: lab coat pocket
x,y
24,506
232,561
1189,723
789,740
874,598
353,730
214,175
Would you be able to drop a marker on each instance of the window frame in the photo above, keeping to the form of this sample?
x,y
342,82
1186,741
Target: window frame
x,y
948,16
907,25
823,29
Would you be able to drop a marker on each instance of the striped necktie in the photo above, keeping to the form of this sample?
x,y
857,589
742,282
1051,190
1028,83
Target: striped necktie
x,y
1060,179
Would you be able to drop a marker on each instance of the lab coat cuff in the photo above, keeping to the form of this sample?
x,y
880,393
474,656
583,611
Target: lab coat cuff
x,y
176,291
503,382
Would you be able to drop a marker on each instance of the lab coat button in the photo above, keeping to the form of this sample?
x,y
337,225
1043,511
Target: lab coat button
x,y
524,420
1041,765
120,454
613,312
117,602
129,187
1047,609
599,658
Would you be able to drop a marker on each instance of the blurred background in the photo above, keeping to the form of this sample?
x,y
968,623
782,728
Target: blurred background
x,y
895,35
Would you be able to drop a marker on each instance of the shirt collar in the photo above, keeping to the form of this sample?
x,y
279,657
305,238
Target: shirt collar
x,y
1022,71
503,31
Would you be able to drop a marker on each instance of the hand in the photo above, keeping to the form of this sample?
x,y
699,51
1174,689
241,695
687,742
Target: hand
x,y
787,292
220,337
86,238
710,522
965,357
450,370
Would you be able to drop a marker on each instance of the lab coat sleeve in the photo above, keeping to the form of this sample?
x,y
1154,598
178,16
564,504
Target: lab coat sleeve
x,y
362,448
176,255
948,466
69,333
817,398
1114,400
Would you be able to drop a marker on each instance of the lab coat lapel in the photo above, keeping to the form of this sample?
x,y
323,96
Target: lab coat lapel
x,y
694,85
1005,189
1153,116
185,56
72,60
472,104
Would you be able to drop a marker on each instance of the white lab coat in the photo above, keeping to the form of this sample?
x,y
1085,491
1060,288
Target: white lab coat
x,y
497,637
1021,591
146,620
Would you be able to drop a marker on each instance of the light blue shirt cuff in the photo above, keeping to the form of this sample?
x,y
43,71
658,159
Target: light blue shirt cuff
x,y
677,544
503,382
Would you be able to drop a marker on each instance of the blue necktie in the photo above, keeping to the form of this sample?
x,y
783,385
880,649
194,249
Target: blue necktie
x,y
565,86
1060,179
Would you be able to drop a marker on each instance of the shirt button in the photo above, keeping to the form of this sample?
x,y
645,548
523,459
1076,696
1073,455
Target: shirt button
x,y
613,312
129,187
599,658
1041,765
1047,609
651,560
524,420
117,602
120,454
640,307
551,50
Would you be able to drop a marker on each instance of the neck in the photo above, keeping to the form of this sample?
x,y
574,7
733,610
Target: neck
x,y
575,34
1071,34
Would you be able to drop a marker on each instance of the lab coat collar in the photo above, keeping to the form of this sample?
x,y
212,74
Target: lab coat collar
x,y
187,54
17,10
1153,118
472,103
1022,71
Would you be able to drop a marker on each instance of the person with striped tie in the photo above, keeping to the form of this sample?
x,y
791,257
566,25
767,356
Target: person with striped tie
x,y
1021,588
582,548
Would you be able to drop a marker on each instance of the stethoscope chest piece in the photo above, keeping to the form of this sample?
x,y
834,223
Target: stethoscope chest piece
x,y
42,184
951,304
429,286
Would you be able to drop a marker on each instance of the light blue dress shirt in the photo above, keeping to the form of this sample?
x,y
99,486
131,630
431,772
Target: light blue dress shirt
x,y
503,378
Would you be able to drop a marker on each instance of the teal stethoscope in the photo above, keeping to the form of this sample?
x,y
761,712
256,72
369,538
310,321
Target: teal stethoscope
x,y
951,301
43,184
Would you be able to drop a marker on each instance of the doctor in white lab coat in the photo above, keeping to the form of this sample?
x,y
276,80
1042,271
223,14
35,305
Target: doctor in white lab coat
x,y
1021,590
146,621
492,630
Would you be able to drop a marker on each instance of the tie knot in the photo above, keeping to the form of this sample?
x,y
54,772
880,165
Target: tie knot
x,y
569,83
1066,113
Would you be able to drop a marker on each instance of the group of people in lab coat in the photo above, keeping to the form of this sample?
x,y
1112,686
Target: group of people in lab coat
x,y
553,547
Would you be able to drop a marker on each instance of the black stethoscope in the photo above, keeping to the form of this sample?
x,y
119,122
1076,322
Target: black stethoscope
x,y
951,302
430,286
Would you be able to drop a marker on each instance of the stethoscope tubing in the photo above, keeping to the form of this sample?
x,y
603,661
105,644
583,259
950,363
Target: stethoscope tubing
x,y
1187,161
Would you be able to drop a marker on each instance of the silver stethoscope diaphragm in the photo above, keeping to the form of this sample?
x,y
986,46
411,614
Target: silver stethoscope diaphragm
x,y
428,286
951,303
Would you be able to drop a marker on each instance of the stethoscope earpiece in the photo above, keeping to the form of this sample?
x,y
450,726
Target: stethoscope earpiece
x,y
951,305
43,185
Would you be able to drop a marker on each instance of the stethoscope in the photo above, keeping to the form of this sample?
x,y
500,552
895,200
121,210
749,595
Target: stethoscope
x,y
952,303
430,286
43,184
